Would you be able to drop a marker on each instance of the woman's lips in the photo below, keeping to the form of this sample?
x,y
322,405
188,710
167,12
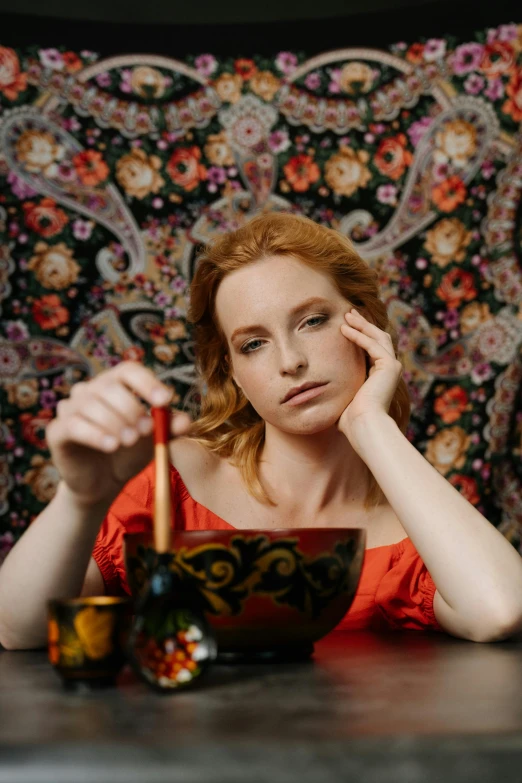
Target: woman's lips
x,y
304,396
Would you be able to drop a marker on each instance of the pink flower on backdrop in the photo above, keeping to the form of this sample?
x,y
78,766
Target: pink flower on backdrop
x,y
51,58
474,84
434,49
206,64
313,81
467,58
286,62
495,90
417,129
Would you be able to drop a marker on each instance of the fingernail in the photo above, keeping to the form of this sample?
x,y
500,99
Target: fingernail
x,y
161,396
128,435
145,425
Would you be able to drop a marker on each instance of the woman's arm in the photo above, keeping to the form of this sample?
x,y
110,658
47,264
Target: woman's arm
x,y
477,572
49,561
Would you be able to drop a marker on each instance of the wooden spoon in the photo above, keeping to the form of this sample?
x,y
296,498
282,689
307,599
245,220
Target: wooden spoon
x,y
170,643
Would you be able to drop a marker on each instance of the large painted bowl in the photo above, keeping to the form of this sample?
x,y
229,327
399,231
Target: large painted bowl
x,y
267,594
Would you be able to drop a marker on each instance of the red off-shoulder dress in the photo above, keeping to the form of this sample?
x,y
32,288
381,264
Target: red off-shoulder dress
x,y
395,590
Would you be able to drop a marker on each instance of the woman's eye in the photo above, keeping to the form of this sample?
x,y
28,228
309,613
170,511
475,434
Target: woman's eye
x,y
246,348
320,318
250,347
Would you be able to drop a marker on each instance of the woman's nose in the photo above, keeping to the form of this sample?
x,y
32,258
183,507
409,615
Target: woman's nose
x,y
291,359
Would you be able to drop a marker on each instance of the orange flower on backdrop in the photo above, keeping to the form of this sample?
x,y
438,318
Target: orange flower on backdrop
x,y
498,58
45,218
31,425
449,194
72,62
467,487
90,167
245,68
451,404
513,105
184,168
12,80
392,157
301,171
415,53
49,313
456,286
133,354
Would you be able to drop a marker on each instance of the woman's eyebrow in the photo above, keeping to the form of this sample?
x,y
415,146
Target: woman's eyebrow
x,y
242,330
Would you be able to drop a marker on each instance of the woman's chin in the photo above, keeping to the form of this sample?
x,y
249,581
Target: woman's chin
x,y
311,422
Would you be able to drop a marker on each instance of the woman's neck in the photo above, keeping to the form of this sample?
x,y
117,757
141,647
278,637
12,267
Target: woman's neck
x,y
312,471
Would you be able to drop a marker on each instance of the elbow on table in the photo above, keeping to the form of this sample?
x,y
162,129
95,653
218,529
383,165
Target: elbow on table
x,y
9,641
502,627
494,624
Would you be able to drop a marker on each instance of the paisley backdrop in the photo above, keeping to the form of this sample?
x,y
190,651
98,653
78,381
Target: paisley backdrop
x,y
115,169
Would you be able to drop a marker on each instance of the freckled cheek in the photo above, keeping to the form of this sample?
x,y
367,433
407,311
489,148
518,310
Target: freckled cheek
x,y
349,358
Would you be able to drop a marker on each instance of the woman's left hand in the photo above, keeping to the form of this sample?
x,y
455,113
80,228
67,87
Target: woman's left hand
x,y
376,393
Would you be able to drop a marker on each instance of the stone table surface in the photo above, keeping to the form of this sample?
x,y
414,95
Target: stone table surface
x,y
398,707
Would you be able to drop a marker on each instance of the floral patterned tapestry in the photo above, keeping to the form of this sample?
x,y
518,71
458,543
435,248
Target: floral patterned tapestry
x,y
113,171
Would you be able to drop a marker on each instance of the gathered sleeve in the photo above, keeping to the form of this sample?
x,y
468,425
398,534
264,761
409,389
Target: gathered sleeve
x,y
131,512
404,597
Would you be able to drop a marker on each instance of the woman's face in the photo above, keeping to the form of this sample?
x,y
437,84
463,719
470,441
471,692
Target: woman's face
x,y
273,349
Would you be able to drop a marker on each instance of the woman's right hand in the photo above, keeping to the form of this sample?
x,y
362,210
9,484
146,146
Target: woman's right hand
x,y
102,435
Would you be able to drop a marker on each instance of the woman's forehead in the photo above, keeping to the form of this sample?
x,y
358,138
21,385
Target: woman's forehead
x,y
270,287
271,278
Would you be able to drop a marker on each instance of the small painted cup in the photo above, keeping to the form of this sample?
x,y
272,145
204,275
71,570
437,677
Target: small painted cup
x,y
87,639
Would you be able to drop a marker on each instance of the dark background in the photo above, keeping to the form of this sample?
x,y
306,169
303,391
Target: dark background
x,y
176,28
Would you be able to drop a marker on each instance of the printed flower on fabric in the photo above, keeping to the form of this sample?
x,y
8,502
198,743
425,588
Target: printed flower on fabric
x,y
467,486
392,158
54,267
473,315
449,193
448,449
265,84
456,143
301,171
217,150
229,87
45,218
184,168
513,105
498,58
451,404
447,241
346,171
138,173
90,167
42,479
356,77
39,152
12,80
456,286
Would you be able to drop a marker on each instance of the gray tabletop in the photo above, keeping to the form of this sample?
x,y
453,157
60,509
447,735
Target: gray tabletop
x,y
399,707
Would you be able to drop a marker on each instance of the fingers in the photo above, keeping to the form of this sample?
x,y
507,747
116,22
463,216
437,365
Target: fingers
x,y
106,412
358,324
140,380
112,406
78,430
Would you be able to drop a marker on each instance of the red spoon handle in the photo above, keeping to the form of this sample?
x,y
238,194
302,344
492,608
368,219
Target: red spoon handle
x,y
162,489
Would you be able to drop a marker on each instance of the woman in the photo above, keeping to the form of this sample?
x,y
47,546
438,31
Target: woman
x,y
302,425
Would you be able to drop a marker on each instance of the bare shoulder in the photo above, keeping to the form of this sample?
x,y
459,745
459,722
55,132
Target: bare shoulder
x,y
193,462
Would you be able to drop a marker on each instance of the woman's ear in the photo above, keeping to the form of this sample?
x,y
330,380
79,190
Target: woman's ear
x,y
228,365
232,375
